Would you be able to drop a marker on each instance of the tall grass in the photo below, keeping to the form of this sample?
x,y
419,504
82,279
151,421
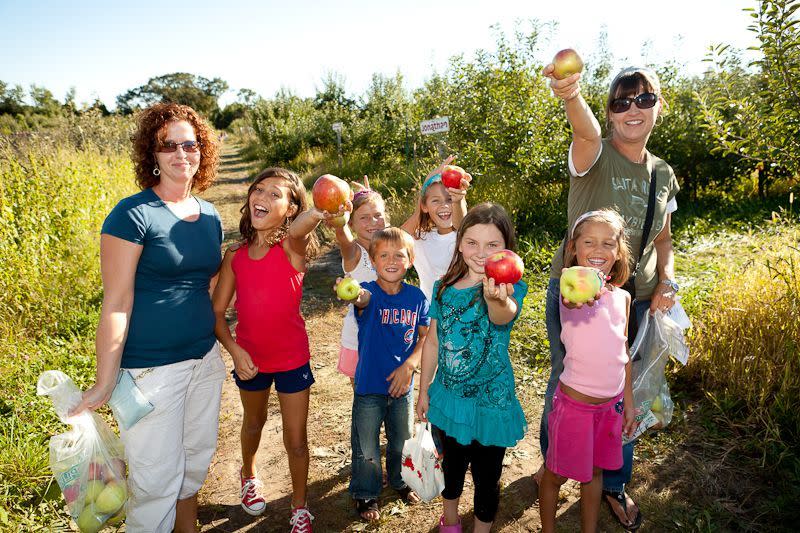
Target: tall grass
x,y
746,357
55,190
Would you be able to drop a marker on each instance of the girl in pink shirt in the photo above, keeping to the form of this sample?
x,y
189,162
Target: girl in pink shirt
x,y
593,403
266,271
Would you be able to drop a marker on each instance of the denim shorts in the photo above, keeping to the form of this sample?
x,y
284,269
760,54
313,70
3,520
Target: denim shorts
x,y
288,381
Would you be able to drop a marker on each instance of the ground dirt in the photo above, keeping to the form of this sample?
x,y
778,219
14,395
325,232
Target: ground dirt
x,y
329,428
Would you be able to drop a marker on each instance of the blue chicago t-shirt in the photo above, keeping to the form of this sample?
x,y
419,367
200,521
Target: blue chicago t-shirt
x,y
387,334
172,319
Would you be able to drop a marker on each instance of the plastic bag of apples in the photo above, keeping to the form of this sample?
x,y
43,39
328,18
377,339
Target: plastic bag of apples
x,y
659,337
87,461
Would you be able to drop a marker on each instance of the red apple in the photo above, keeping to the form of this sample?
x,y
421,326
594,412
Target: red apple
x,y
329,192
95,470
566,62
451,176
504,267
115,469
72,492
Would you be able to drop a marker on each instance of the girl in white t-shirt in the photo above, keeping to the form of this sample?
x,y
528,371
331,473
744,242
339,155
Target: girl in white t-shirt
x,y
433,225
367,217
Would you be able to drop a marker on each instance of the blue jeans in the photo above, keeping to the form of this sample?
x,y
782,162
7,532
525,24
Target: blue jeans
x,y
369,412
613,480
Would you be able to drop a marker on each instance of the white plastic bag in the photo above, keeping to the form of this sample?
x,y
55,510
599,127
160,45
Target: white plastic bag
x,y
659,337
87,461
420,468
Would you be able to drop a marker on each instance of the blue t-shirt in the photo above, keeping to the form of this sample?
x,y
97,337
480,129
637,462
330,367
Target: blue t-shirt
x,y
387,334
472,396
172,319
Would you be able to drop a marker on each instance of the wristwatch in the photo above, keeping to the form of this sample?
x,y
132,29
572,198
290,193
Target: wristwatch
x,y
671,283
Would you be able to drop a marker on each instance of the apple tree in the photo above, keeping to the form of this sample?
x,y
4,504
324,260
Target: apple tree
x,y
755,116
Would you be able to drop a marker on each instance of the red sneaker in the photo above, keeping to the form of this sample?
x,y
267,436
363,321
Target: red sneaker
x,y
252,501
301,520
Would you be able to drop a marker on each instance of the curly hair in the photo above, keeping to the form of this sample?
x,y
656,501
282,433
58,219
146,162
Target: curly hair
x,y
150,131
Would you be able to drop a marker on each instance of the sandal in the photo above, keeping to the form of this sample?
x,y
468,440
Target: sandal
x,y
408,496
368,506
622,500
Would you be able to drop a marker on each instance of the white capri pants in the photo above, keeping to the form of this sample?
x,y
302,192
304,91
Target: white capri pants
x,y
169,450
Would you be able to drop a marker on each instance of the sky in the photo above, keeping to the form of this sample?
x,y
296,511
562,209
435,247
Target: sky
x,y
102,49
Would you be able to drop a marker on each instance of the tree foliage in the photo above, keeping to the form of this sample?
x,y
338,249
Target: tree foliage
x,y
756,116
180,87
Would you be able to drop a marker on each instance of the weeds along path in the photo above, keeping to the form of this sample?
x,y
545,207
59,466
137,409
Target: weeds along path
x,y
329,423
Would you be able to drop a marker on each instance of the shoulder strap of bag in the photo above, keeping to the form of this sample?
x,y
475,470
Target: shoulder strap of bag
x,y
648,219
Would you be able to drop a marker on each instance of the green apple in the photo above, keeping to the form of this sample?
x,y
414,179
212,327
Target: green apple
x,y
111,499
580,284
347,289
566,63
93,489
657,405
341,220
88,522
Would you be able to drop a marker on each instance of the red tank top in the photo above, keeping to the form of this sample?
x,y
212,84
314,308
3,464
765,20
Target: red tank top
x,y
268,293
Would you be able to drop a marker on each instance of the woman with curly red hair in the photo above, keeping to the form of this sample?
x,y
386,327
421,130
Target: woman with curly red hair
x,y
159,250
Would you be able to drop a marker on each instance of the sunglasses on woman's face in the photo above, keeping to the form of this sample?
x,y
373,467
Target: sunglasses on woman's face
x,y
642,101
188,146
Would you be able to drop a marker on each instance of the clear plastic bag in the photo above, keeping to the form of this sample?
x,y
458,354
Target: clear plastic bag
x,y
659,338
87,461
420,467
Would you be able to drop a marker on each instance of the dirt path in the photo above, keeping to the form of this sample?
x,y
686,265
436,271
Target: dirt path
x,y
329,427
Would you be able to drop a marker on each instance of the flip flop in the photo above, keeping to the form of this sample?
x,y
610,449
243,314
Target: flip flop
x,y
405,494
622,500
365,506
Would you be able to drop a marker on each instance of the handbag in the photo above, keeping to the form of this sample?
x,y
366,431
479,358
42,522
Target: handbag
x,y
127,402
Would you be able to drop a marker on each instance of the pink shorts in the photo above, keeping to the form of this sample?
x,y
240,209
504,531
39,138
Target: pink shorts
x,y
348,361
582,436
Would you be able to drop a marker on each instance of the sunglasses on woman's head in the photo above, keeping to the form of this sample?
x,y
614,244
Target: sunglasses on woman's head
x,y
642,101
170,146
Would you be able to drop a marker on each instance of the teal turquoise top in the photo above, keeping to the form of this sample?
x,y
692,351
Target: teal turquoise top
x,y
472,396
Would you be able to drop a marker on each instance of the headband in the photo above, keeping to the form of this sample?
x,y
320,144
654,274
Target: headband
x,y
430,181
581,219
363,192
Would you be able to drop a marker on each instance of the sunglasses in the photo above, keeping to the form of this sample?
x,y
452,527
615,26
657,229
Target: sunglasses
x,y
643,101
188,146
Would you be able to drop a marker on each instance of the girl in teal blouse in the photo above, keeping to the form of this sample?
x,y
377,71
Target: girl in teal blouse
x,y
471,400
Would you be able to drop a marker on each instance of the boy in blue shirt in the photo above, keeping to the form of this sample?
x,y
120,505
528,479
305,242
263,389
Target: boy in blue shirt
x,y
392,319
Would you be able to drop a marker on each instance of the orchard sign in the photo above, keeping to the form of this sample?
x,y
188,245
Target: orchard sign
x,y
436,125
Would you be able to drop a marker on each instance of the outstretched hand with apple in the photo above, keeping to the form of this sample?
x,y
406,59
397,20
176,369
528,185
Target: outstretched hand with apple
x,y
498,292
580,285
350,290
564,73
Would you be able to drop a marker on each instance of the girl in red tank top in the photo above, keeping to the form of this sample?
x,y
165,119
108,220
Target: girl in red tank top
x,y
266,271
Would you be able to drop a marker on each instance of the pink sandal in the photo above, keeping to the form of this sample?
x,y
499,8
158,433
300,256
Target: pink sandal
x,y
449,529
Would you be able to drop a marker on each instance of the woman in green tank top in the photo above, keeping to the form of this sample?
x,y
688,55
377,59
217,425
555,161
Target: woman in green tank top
x,y
617,171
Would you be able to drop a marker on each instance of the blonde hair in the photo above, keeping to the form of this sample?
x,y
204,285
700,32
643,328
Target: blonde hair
x,y
394,236
621,270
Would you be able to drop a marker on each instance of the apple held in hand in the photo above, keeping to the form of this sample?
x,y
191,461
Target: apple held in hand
x,y
566,62
452,175
348,289
504,267
111,499
580,284
329,192
341,220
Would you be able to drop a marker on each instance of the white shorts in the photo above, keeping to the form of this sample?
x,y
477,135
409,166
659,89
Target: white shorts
x,y
169,450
